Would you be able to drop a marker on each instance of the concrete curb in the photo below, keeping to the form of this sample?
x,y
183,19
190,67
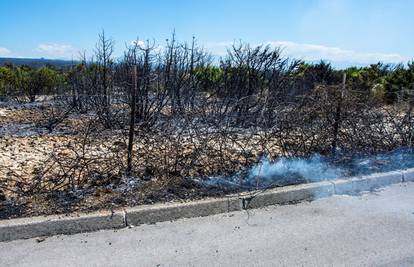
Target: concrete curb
x,y
287,194
167,212
52,225
24,228
408,175
366,183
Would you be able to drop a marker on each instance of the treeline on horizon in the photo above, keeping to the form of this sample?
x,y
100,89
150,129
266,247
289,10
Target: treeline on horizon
x,y
60,64
196,70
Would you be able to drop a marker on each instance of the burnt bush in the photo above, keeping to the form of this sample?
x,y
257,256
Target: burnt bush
x,y
196,118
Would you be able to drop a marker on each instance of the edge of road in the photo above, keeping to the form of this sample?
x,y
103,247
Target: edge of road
x,y
24,228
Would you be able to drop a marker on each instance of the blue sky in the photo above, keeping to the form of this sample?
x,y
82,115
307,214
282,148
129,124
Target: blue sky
x,y
356,31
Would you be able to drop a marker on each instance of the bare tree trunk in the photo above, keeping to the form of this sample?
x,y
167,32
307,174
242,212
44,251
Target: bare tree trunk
x,y
338,115
408,118
132,119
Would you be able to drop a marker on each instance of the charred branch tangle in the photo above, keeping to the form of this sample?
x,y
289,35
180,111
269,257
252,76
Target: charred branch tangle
x,y
155,124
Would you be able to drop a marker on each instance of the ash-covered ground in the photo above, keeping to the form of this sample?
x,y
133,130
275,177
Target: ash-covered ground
x,y
29,147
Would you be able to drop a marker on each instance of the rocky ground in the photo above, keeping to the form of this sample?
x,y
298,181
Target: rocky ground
x,y
49,166
26,146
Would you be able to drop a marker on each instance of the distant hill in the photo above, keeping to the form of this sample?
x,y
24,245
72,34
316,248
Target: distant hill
x,y
36,62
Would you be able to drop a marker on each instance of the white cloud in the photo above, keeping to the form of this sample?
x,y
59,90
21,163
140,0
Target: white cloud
x,y
138,43
313,52
144,44
57,50
4,52
219,48
317,52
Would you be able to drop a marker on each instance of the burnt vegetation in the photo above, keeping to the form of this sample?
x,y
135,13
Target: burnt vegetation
x,y
148,126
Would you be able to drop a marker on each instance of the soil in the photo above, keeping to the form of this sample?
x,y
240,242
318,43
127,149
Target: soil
x,y
25,145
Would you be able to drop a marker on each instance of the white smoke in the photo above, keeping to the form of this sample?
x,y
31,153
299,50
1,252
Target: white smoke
x,y
285,171
312,169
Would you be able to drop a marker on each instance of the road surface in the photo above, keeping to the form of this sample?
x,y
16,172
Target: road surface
x,y
374,229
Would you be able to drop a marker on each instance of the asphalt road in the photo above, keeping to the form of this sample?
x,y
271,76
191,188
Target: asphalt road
x,y
375,229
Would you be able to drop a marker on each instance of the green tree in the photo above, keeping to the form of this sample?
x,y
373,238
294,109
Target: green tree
x,y
307,76
399,82
369,80
209,77
7,78
42,81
